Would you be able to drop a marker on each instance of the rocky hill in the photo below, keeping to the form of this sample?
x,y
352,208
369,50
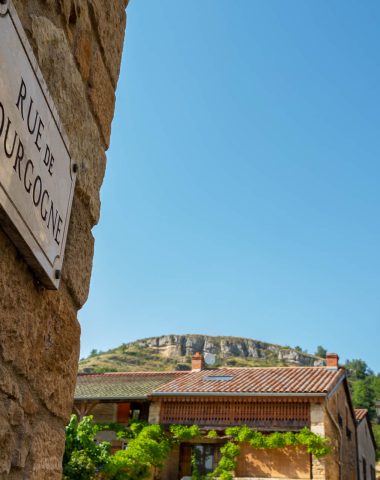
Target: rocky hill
x,y
170,352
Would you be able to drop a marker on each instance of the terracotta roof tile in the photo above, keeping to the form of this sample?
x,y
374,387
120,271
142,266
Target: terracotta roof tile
x,y
360,414
125,385
272,380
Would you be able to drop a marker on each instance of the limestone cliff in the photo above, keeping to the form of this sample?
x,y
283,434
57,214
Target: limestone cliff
x,y
174,351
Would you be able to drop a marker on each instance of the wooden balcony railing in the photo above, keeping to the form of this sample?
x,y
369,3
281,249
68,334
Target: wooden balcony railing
x,y
265,414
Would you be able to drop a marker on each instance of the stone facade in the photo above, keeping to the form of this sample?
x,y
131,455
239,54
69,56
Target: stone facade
x,y
366,451
78,44
154,412
340,428
331,418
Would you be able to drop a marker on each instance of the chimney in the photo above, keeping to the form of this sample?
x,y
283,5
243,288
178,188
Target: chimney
x,y
332,361
197,362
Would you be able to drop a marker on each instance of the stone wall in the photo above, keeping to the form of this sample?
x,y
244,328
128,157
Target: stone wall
x,y
78,44
366,450
341,429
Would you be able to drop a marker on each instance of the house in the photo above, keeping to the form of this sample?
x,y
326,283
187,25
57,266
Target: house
x,y
270,399
366,445
117,397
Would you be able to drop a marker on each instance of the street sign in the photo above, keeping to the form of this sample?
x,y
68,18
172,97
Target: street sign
x,y
37,174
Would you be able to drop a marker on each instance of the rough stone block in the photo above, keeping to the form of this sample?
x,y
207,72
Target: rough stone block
x,y
110,23
77,266
46,448
316,413
8,384
69,93
102,94
154,412
7,439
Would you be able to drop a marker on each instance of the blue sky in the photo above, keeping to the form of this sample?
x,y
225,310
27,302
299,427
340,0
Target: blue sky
x,y
242,188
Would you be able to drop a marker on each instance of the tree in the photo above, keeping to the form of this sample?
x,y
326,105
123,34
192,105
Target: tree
x,y
376,434
357,369
363,396
87,459
364,385
375,383
83,456
321,352
147,450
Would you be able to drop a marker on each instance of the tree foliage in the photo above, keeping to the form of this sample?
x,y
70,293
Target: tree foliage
x,y
83,456
357,369
364,384
321,352
147,450
376,434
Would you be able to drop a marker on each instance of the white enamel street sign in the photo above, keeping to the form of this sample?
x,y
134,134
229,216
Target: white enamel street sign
x,y
37,175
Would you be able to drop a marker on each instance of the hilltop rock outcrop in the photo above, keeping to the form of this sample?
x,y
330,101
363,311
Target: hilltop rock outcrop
x,y
172,346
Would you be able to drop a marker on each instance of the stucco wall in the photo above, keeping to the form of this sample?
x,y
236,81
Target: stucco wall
x,y
289,463
78,44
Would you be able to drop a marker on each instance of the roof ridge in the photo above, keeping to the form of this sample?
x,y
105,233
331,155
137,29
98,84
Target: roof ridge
x,y
168,372
293,367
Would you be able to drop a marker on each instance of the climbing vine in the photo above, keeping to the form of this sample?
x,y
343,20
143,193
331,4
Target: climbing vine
x,y
315,444
150,445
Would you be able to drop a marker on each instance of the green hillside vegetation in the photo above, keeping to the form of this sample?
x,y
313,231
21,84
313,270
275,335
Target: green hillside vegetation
x,y
145,355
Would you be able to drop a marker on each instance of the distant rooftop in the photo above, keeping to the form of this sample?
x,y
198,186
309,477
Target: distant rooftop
x,y
360,413
121,386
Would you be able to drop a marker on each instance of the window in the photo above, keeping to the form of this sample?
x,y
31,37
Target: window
x,y
340,419
218,378
364,464
135,414
348,433
205,457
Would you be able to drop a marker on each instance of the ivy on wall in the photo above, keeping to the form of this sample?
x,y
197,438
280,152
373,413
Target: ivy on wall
x,y
150,445
315,445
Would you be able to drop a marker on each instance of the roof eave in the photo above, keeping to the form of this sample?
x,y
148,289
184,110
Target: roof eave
x,y
110,399
237,394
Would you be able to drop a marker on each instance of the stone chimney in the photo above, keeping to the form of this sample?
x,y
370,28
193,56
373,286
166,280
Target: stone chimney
x,y
332,361
197,362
